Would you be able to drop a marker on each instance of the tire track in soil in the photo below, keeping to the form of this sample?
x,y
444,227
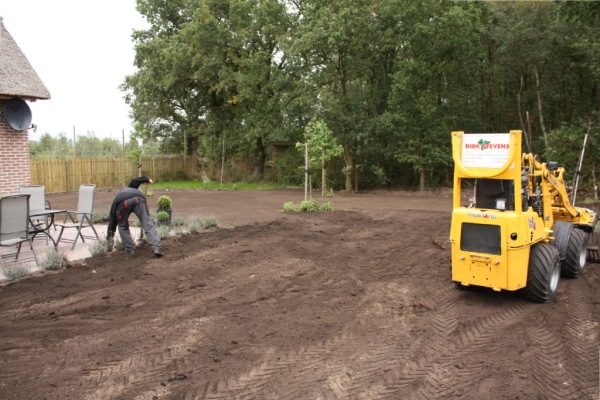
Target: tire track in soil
x,y
116,379
349,372
331,358
551,375
582,339
421,378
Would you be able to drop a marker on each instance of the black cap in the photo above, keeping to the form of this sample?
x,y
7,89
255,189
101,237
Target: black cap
x,y
136,182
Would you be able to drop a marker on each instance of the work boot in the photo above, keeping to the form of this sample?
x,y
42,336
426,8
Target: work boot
x,y
130,251
158,252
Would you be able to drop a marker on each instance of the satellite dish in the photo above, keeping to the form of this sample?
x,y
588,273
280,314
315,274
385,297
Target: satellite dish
x,y
17,114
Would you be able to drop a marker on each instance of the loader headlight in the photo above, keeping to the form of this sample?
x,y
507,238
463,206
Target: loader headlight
x,y
500,204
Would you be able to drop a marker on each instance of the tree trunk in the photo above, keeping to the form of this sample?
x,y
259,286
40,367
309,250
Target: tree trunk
x,y
422,180
355,178
349,168
526,133
260,158
192,145
538,89
323,175
595,181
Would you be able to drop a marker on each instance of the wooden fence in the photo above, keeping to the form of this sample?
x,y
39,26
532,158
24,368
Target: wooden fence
x,y
60,175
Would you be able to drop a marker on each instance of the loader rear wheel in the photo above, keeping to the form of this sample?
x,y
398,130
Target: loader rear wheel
x,y
543,273
572,265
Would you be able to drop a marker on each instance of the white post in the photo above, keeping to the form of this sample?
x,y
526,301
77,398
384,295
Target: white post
x,y
222,161
579,164
305,171
323,174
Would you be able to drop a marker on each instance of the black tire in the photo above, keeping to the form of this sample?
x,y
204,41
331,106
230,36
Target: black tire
x,y
561,232
543,273
576,257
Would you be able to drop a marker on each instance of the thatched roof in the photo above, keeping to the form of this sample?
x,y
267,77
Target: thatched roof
x,y
17,76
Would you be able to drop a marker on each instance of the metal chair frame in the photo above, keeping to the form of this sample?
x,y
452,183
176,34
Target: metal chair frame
x,y
14,226
80,219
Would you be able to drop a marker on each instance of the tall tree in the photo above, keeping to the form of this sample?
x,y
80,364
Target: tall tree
x,y
340,63
432,82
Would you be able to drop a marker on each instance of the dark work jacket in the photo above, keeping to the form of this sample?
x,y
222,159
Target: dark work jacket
x,y
121,207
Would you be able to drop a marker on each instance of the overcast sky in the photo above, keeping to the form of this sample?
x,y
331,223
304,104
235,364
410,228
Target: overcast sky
x,y
82,51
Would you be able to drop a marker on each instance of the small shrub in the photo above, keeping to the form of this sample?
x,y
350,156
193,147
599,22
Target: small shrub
x,y
100,216
178,230
54,261
307,206
177,220
100,248
194,227
119,244
164,202
14,272
162,216
290,207
327,206
210,222
163,231
194,224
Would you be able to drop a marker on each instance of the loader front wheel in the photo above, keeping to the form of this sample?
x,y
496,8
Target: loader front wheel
x,y
572,265
543,273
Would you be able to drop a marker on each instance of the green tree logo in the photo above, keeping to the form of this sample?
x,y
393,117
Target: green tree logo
x,y
483,144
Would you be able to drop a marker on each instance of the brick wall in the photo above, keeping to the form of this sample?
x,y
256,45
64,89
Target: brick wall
x,y
14,158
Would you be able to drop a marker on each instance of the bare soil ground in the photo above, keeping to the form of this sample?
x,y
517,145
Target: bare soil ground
x,y
351,304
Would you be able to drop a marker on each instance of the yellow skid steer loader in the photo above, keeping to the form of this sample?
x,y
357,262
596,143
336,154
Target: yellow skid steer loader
x,y
513,226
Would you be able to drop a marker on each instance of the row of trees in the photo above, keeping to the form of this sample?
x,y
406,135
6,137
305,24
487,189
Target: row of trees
x,y
390,78
87,146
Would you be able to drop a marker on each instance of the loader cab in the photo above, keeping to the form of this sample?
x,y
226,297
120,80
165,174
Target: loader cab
x,y
499,194
494,194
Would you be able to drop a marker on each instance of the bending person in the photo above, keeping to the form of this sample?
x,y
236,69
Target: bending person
x,y
131,200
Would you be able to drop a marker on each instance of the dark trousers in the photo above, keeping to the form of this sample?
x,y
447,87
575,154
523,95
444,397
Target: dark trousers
x,y
140,209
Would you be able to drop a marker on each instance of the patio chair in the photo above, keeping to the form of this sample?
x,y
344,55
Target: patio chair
x,y
14,226
80,219
37,201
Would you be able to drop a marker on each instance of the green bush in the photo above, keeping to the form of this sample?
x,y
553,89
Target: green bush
x,y
307,206
194,223
210,222
100,216
164,202
177,220
100,248
14,272
163,231
54,260
162,216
